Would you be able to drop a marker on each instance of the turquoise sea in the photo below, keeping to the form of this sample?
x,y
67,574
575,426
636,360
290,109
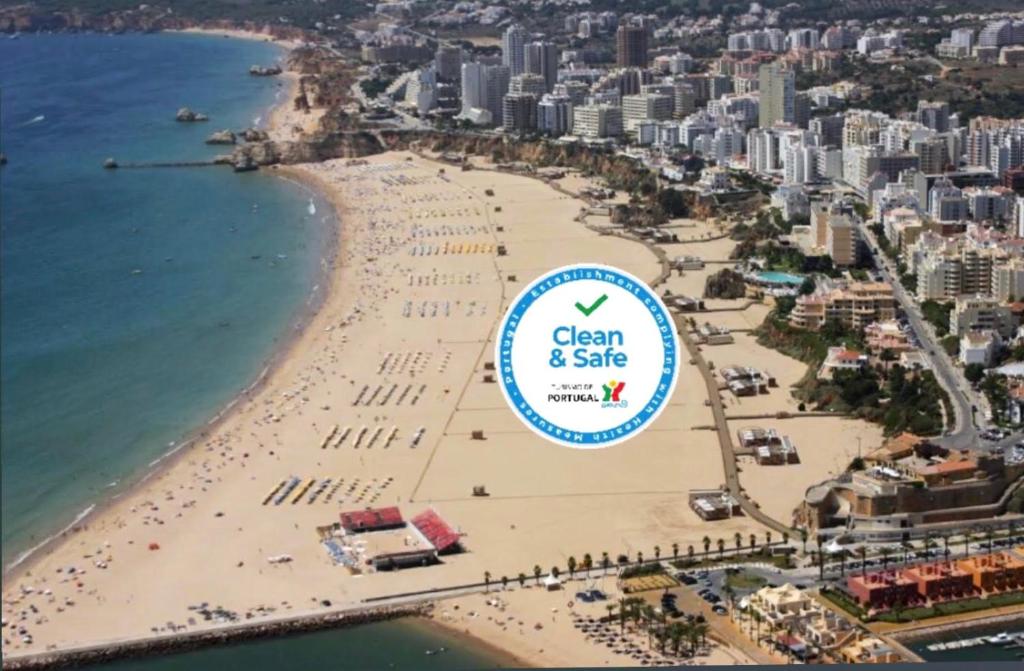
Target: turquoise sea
x,y
134,303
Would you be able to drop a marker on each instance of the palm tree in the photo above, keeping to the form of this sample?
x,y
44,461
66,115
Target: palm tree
x,y
803,539
768,537
504,582
657,553
967,544
738,539
554,571
588,562
487,581
623,614
863,552
675,551
675,632
885,558
522,579
640,558
753,542
689,551
721,547
707,543
842,563
605,562
697,633
945,544
537,570
611,610
571,564
989,533
785,537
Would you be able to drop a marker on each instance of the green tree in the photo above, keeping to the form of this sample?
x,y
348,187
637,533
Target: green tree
x,y
974,372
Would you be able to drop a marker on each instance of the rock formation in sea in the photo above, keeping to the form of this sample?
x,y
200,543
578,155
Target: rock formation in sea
x,y
187,115
221,137
265,70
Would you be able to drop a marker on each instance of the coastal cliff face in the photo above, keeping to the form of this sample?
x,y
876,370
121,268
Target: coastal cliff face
x,y
347,145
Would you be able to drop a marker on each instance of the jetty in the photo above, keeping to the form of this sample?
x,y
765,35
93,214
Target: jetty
x,y
148,646
110,163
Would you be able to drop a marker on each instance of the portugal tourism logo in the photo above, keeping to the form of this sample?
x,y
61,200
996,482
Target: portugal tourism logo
x,y
569,343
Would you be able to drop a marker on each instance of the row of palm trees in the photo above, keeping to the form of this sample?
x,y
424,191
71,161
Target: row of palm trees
x,y
605,563
930,543
644,617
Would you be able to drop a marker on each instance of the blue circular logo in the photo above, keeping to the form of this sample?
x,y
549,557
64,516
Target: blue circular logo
x,y
587,356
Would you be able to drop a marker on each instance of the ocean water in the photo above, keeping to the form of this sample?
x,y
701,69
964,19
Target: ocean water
x,y
389,645
134,303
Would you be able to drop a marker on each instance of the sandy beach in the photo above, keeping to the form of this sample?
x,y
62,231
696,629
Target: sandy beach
x,y
391,372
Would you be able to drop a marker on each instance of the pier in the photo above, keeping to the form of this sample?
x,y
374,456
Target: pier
x,y
149,646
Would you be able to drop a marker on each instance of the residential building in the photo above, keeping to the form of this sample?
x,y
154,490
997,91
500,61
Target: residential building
x,y
597,121
778,95
841,359
513,41
555,115
978,347
541,58
631,46
519,112
854,306
637,108
978,312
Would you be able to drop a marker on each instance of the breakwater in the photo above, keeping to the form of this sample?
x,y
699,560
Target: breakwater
x,y
195,640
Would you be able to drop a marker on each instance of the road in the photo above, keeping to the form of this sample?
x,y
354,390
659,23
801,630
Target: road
x,y
965,429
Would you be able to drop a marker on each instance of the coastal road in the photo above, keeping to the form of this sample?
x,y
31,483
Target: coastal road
x,y
965,430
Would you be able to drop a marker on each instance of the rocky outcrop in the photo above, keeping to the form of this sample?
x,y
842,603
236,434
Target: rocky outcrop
x,y
186,115
221,137
319,148
725,284
254,135
265,70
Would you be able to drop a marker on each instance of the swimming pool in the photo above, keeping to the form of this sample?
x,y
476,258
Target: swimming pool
x,y
774,277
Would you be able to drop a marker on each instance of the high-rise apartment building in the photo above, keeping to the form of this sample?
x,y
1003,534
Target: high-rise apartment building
x,y
778,95
512,49
541,58
631,46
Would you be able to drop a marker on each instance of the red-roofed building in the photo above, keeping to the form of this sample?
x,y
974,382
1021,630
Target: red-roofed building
x,y
372,519
438,532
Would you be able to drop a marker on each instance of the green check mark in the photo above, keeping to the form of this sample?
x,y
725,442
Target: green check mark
x,y
587,311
